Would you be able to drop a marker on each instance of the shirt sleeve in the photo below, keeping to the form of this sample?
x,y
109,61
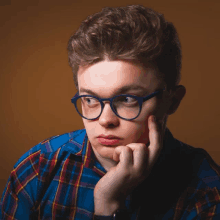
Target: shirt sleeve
x,y
20,193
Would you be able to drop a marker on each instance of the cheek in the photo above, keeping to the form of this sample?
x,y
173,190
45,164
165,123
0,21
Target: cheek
x,y
90,127
141,125
144,136
137,132
142,133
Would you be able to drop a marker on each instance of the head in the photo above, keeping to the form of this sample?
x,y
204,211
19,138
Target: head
x,y
126,46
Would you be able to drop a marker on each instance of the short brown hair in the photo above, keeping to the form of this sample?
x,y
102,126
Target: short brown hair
x,y
131,33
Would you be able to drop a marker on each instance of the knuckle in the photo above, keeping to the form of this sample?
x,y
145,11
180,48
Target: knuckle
x,y
119,147
127,149
141,147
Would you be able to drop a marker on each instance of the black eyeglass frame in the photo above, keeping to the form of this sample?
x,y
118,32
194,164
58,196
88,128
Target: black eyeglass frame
x,y
139,99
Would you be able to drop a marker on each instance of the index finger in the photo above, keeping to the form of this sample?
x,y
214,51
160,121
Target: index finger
x,y
156,140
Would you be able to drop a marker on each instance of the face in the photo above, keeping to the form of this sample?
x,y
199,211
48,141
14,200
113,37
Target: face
x,y
105,79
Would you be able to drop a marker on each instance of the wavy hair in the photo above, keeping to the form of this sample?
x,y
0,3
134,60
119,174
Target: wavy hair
x,y
134,33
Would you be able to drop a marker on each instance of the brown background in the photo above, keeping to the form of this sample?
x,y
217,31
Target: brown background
x,y
36,82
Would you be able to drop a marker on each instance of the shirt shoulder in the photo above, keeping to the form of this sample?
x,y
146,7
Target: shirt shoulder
x,y
35,170
71,141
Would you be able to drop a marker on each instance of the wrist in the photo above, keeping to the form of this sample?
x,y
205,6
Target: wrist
x,y
120,214
104,208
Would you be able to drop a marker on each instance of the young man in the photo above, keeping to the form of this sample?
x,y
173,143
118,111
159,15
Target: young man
x,y
125,164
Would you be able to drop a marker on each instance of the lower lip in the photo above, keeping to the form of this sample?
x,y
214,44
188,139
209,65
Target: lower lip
x,y
106,141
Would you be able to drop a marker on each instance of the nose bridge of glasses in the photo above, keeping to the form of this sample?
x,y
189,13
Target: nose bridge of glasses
x,y
107,100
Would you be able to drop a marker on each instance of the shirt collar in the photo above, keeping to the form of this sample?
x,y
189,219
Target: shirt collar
x,y
83,150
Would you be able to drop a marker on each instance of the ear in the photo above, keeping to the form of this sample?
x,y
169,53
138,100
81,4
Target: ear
x,y
177,96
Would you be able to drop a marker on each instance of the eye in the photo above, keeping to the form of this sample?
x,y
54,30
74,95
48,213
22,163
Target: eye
x,y
126,100
89,100
129,99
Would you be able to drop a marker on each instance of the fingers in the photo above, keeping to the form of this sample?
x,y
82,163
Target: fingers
x,y
124,155
154,131
140,156
156,140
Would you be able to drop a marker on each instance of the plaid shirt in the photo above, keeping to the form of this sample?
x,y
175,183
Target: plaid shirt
x,y
56,179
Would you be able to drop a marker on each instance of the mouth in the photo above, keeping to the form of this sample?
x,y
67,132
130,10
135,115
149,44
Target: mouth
x,y
107,141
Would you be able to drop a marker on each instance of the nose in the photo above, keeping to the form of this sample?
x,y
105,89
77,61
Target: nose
x,y
108,117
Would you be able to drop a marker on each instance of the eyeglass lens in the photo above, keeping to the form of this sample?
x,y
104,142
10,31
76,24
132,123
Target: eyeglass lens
x,y
125,106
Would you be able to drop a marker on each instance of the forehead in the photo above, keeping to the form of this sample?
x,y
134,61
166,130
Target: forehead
x,y
113,75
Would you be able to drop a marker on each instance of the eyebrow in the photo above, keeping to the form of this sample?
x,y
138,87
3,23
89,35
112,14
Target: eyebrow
x,y
119,91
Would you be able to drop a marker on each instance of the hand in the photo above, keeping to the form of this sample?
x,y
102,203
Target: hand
x,y
135,162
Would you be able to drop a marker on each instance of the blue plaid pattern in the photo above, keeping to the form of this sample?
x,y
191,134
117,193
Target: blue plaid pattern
x,y
56,178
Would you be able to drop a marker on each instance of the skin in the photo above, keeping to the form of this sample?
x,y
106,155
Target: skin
x,y
130,162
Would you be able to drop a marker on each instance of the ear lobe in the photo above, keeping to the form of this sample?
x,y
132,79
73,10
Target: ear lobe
x,y
179,93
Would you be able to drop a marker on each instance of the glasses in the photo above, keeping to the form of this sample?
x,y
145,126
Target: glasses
x,y
125,106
